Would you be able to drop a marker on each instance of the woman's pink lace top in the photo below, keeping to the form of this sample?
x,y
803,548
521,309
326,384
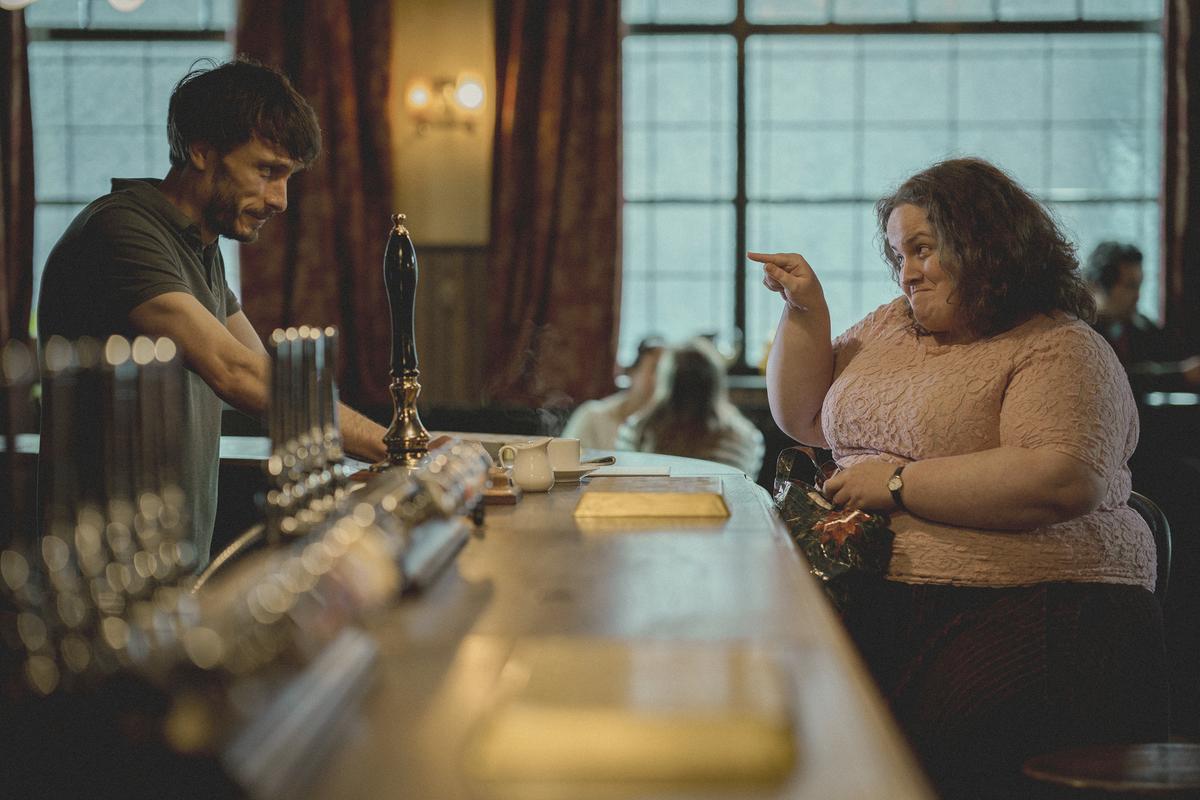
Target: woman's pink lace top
x,y
1050,383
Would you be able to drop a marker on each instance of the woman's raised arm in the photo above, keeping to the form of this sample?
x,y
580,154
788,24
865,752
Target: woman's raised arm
x,y
800,364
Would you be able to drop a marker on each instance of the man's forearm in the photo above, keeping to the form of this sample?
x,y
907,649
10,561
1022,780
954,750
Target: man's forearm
x,y
361,437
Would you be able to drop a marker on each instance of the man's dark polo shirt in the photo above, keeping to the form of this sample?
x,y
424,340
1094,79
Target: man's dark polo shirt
x,y
122,250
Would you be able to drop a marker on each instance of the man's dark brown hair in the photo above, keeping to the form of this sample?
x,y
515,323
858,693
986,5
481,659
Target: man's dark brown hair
x,y
227,105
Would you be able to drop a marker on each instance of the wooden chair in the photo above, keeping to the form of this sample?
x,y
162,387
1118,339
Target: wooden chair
x,y
1151,769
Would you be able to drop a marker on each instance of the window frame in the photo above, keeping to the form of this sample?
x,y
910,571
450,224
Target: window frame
x,y
741,29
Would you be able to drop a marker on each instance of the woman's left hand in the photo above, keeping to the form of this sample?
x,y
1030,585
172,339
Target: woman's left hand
x,y
862,486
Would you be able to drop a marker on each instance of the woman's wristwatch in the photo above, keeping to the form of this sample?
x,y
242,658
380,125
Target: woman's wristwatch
x,y
895,485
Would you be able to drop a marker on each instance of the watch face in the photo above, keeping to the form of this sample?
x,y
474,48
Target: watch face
x,y
895,483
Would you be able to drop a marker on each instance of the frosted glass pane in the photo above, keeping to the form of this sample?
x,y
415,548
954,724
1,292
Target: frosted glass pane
x,y
789,162
96,157
107,88
804,79
156,14
907,79
998,82
53,14
224,17
680,106
680,239
1090,161
637,240
231,252
892,154
1037,9
695,164
177,14
682,78
1150,303
677,272
50,163
1122,9
788,11
953,10
47,83
680,11
1018,150
871,11
1098,77
834,237
635,164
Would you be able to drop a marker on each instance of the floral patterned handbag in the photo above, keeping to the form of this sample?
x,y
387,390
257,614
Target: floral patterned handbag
x,y
844,547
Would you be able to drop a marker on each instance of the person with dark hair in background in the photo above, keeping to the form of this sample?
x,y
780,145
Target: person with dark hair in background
x,y
143,259
692,416
595,422
993,425
1164,466
1154,360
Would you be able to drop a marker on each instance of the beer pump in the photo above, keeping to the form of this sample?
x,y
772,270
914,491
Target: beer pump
x,y
406,439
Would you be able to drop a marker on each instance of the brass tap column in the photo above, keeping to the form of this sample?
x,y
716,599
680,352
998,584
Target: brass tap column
x,y
407,440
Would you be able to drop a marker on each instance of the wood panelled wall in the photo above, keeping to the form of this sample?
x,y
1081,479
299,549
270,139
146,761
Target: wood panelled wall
x,y
450,324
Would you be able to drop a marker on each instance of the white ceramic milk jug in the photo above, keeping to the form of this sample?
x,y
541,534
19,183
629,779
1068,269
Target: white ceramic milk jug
x,y
530,462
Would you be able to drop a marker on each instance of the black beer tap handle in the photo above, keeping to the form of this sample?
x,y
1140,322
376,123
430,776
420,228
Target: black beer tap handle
x,y
400,280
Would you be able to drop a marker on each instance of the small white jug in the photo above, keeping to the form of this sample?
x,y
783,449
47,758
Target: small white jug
x,y
530,464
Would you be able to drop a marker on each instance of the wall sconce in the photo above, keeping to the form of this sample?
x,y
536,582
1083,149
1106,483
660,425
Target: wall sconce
x,y
445,102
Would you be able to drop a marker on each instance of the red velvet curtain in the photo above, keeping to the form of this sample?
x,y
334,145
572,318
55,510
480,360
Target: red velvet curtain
x,y
1181,170
16,181
554,263
320,263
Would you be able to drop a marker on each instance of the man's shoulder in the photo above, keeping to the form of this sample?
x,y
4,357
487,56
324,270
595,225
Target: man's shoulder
x,y
130,203
111,216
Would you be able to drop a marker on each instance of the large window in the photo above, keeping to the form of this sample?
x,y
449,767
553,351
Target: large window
x,y
100,80
772,125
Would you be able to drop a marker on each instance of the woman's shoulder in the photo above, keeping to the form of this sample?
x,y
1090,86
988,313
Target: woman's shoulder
x,y
1058,330
1060,337
890,318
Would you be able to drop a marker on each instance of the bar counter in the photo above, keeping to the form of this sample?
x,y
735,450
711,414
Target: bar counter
x,y
532,573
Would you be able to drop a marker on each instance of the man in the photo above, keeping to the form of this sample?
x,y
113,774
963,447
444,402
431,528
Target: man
x,y
1150,356
1164,466
143,260
596,422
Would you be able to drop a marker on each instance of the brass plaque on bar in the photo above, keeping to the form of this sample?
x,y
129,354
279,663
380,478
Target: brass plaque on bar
x,y
652,497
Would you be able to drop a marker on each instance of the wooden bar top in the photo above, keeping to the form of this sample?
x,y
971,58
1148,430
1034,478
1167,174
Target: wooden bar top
x,y
534,573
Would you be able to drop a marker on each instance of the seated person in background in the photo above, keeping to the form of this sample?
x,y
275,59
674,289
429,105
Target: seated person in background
x,y
595,422
1153,358
1164,467
984,415
691,414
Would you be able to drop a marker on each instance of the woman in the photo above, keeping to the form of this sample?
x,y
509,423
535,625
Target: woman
x,y
691,414
595,423
993,424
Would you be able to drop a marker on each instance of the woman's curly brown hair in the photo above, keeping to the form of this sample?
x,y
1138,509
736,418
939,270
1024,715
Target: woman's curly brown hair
x,y
1001,247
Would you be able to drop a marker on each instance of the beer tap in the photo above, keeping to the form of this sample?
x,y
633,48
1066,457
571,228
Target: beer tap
x,y
406,439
